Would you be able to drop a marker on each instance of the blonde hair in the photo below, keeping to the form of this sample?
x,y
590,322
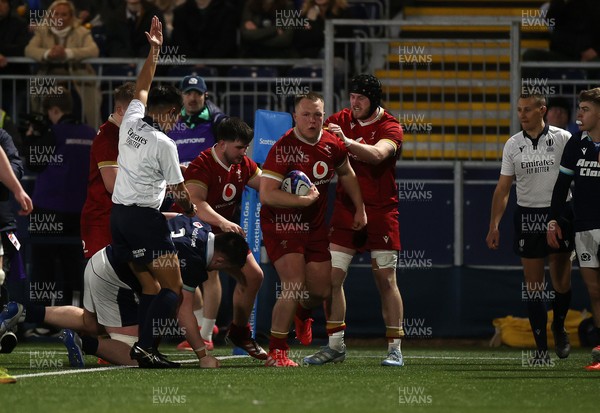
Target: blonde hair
x,y
71,7
67,3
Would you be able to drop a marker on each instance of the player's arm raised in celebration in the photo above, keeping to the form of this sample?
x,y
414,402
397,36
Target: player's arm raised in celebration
x,y
272,195
144,80
499,202
350,184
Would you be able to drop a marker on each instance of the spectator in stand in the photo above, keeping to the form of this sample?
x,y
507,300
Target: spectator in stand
x,y
205,29
575,32
60,153
195,129
84,9
559,114
310,42
266,30
60,44
166,7
14,36
125,23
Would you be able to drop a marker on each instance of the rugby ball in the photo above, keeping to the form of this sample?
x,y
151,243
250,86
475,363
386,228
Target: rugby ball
x,y
296,182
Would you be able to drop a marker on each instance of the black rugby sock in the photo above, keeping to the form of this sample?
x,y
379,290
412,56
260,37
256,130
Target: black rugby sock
x,y
145,300
35,313
89,345
560,306
160,318
538,318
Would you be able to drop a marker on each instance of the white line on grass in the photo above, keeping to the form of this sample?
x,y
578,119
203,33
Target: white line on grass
x,y
96,369
444,357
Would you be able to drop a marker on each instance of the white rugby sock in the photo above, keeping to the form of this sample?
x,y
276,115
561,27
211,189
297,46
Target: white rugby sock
x,y
336,340
395,343
207,328
199,316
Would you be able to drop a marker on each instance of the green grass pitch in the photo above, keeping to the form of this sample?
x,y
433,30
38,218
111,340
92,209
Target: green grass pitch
x,y
434,379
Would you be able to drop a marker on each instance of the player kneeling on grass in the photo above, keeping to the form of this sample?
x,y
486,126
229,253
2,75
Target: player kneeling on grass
x,y
109,297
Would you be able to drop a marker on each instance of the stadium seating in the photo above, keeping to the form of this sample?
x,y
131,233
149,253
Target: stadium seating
x,y
451,84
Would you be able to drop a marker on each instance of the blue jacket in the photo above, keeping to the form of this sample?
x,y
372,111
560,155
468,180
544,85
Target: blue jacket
x,y
62,183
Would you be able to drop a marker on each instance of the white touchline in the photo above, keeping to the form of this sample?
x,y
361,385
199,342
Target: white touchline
x,y
96,369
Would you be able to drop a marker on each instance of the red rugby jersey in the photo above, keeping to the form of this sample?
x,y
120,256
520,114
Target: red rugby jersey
x,y
224,185
318,161
377,182
98,203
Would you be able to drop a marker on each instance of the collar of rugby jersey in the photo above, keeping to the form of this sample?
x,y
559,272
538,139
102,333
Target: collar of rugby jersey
x,y
375,119
150,121
303,139
213,152
542,133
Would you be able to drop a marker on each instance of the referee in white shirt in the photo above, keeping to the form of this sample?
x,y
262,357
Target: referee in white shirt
x,y
148,165
532,156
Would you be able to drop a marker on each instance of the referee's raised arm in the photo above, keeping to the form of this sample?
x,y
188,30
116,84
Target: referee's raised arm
x,y
144,80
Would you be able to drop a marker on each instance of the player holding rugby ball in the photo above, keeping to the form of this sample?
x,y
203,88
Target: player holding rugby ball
x,y
293,225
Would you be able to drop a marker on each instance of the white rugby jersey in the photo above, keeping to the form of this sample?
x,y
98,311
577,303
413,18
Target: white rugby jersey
x,y
147,160
535,167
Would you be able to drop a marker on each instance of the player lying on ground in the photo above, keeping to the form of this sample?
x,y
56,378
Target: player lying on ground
x,y
216,179
110,306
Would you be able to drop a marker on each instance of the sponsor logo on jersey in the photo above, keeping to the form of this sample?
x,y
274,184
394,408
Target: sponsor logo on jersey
x,y
135,140
537,163
229,192
320,169
138,253
588,168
